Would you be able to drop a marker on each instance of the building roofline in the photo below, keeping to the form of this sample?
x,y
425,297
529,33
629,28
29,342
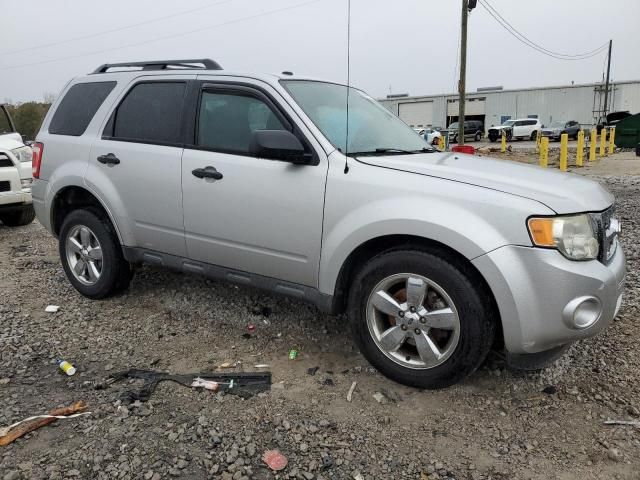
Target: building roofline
x,y
527,89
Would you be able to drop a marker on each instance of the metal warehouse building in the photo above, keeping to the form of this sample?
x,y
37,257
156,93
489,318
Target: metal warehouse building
x,y
493,106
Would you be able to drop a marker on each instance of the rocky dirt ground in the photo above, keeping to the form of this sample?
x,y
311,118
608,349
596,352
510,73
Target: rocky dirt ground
x,y
499,424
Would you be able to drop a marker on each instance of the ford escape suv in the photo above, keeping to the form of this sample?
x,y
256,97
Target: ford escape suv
x,y
434,256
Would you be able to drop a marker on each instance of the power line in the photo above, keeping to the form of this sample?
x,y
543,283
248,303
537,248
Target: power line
x,y
166,37
126,27
522,38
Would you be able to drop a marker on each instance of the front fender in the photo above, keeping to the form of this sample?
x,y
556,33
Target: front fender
x,y
469,219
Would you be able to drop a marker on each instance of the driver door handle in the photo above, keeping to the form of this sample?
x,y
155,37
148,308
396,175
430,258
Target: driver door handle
x,y
207,172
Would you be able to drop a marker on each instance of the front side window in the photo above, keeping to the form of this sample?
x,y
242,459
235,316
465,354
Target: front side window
x,y
227,121
77,108
371,127
150,113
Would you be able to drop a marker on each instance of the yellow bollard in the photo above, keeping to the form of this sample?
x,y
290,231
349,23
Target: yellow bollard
x,y
612,141
564,151
603,143
538,138
580,151
544,152
503,146
441,143
593,142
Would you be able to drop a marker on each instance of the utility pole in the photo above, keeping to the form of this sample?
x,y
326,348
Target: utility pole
x,y
463,71
606,88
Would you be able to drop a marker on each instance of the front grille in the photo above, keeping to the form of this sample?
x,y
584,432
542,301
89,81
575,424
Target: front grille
x,y
607,229
5,186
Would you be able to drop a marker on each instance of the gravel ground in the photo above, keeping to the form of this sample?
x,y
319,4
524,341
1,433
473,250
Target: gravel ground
x,y
499,424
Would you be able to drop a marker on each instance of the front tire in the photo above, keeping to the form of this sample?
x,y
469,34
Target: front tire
x,y
18,218
420,317
478,137
91,254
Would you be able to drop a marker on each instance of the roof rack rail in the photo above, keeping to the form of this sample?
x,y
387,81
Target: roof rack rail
x,y
198,63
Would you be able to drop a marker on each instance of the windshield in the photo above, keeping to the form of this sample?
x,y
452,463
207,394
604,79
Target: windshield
x,y
557,125
372,128
508,123
454,126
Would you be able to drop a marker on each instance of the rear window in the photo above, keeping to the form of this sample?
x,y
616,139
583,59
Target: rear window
x,y
150,113
78,107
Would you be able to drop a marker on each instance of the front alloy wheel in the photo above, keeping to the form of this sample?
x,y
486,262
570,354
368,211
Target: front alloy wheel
x,y
413,321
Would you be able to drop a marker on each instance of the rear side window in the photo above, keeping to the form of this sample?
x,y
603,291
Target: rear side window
x,y
78,107
150,113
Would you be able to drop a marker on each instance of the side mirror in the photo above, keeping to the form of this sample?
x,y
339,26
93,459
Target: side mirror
x,y
278,145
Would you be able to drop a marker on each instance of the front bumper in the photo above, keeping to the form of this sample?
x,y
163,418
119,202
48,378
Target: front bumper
x,y
537,289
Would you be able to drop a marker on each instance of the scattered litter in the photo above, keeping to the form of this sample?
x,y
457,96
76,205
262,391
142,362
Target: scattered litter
x,y
550,390
251,329
351,390
12,432
242,384
633,423
328,382
208,384
275,460
293,353
52,308
228,365
327,462
380,398
312,370
66,367
261,365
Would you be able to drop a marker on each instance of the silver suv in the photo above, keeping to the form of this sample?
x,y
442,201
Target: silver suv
x,y
434,256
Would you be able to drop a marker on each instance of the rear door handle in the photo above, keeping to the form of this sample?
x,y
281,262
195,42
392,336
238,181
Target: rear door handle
x,y
109,159
207,172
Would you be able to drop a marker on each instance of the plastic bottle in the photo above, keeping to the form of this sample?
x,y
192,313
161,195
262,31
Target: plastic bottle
x,y
66,367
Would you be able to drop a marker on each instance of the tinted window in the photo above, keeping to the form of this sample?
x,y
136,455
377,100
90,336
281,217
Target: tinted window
x,y
227,121
78,107
150,113
532,122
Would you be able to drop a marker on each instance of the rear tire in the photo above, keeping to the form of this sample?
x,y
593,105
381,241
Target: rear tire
x,y
534,136
18,218
478,137
112,273
459,291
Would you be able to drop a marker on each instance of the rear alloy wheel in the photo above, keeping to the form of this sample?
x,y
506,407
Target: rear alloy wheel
x,y
91,254
421,317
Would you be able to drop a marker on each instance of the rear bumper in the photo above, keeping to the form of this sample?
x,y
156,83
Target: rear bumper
x,y
541,295
22,197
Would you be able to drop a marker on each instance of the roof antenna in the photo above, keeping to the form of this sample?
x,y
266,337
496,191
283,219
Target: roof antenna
x,y
346,146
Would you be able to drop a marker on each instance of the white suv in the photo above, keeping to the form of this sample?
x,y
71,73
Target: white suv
x,y
249,178
15,175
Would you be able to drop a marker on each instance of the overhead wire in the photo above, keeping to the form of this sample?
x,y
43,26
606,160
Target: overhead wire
x,y
166,37
114,30
530,43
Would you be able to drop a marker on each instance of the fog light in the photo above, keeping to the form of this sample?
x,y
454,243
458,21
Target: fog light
x,y
26,182
582,312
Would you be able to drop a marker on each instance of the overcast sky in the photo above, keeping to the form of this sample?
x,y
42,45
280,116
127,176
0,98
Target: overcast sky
x,y
409,46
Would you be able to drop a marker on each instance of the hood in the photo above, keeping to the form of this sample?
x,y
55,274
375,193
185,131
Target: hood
x,y
499,127
561,192
9,141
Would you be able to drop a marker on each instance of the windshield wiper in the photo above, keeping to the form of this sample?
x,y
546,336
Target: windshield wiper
x,y
379,151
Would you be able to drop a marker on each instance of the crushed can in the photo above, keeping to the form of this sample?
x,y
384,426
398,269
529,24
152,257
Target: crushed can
x,y
66,367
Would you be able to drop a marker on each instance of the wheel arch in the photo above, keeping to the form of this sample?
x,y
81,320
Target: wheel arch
x,y
380,244
72,197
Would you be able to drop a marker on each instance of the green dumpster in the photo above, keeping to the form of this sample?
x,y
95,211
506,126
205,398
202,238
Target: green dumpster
x,y
628,132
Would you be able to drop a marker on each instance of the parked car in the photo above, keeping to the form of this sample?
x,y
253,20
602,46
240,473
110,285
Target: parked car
x,y
495,133
16,208
557,128
526,128
432,135
433,256
473,129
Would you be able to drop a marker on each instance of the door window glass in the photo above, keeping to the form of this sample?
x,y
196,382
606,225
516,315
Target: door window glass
x,y
227,121
150,113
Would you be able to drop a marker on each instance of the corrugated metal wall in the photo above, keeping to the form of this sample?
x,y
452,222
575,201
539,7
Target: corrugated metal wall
x,y
548,104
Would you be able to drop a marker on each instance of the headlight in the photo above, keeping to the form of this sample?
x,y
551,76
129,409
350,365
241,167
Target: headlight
x,y
573,235
24,154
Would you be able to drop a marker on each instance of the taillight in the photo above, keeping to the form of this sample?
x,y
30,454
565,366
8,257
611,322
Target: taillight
x,y
36,159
